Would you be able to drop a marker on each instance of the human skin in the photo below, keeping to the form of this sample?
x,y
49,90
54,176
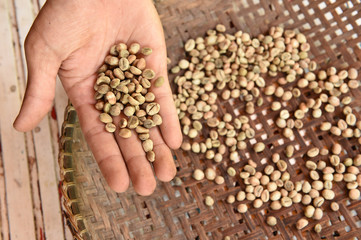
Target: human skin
x,y
71,39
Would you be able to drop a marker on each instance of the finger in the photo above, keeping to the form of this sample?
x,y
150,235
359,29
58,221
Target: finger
x,y
152,36
43,66
164,166
139,168
170,128
104,147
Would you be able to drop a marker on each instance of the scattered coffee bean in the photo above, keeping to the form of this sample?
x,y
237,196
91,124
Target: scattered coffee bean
x,y
159,81
302,223
125,133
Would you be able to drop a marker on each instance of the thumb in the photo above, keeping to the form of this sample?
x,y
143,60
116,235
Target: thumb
x,y
43,65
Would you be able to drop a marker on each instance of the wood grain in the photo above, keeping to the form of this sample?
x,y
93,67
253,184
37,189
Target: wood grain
x,y
4,226
33,184
19,200
46,162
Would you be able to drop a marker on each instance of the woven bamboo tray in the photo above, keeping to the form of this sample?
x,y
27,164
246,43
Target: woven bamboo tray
x,y
178,212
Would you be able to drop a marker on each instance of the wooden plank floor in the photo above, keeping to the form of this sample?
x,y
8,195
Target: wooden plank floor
x,y
30,204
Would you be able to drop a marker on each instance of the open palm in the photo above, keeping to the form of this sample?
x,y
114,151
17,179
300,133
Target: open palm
x,y
71,39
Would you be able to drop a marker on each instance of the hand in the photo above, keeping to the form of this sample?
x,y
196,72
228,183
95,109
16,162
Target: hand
x,y
71,39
